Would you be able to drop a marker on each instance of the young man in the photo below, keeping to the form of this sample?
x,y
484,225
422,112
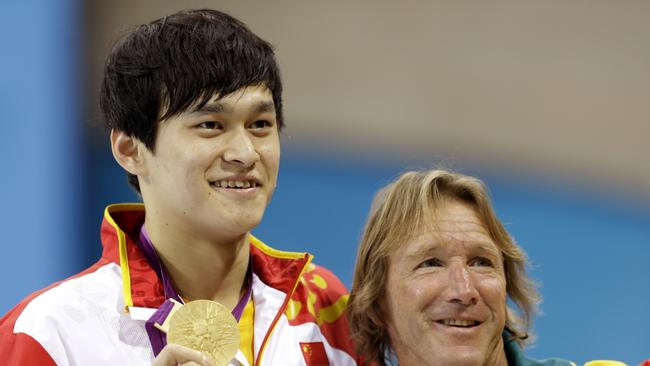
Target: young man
x,y
194,105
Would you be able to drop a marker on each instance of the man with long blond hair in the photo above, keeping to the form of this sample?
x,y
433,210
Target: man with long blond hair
x,y
434,273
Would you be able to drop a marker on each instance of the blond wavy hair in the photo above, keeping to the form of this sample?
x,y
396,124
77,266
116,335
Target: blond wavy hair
x,y
401,210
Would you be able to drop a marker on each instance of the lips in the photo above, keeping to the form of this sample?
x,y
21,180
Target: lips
x,y
241,184
459,323
236,183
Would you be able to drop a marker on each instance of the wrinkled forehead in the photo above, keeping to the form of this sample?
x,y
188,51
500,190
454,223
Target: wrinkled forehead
x,y
448,224
447,244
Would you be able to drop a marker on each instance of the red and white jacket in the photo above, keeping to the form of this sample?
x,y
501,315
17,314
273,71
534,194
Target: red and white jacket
x,y
97,317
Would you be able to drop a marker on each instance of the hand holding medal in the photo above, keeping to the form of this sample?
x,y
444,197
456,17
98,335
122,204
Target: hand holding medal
x,y
204,326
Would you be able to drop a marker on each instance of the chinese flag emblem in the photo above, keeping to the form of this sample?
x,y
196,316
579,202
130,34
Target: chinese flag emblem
x,y
314,354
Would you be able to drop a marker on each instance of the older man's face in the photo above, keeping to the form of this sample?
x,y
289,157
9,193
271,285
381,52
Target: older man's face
x,y
446,293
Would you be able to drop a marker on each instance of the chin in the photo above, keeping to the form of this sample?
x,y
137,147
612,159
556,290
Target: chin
x,y
225,228
464,356
245,223
460,361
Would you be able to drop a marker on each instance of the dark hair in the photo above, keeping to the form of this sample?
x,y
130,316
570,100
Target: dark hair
x,y
160,69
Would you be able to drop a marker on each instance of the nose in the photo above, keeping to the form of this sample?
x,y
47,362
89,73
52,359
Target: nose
x,y
461,287
240,149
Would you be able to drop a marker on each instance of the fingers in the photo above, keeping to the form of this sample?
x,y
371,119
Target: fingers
x,y
174,354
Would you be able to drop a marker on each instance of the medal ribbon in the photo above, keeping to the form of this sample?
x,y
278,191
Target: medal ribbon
x,y
158,338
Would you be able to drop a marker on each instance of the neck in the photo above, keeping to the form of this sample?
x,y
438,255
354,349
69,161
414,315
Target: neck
x,y
201,268
498,359
498,355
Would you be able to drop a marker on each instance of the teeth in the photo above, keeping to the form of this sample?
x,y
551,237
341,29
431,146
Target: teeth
x,y
459,323
234,184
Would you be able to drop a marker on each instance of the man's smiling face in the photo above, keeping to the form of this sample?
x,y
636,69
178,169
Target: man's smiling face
x,y
214,169
446,292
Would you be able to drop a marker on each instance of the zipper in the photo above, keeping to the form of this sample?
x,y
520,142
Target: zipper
x,y
281,311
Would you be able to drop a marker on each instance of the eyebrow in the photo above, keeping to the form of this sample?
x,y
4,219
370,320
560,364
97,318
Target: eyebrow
x,y
216,107
266,106
423,252
212,107
490,248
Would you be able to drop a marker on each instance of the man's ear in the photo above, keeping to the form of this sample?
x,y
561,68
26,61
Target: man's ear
x,y
128,152
378,315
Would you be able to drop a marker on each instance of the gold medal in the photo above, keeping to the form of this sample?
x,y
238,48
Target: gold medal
x,y
205,326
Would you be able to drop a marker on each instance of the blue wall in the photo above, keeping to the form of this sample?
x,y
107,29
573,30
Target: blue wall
x,y
40,145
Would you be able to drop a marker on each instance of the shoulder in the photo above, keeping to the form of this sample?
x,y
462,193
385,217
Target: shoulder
x,y
35,327
82,287
549,362
322,285
319,297
17,347
516,356
525,361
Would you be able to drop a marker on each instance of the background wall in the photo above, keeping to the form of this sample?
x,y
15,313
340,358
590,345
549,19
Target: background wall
x,y
41,145
545,101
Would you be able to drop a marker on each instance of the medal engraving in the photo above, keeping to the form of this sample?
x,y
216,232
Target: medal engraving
x,y
206,326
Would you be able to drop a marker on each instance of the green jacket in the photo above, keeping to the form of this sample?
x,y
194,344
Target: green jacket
x,y
516,356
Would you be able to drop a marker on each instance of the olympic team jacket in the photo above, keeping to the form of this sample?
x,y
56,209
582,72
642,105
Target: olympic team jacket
x,y
516,356
97,317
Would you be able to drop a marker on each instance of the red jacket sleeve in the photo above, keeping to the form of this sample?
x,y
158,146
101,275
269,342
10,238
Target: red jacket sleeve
x,y
20,348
